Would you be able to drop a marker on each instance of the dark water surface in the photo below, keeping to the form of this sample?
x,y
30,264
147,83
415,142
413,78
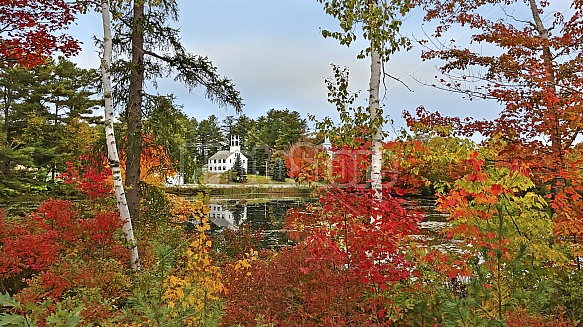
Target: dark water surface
x,y
269,215
266,216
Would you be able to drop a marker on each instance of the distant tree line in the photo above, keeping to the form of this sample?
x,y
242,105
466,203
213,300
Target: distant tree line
x,y
263,139
48,119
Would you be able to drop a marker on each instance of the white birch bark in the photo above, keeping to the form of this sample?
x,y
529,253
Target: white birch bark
x,y
376,119
112,154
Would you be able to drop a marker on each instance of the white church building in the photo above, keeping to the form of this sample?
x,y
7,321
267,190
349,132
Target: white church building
x,y
222,161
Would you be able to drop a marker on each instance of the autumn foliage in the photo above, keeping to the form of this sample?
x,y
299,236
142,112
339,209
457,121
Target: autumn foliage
x,y
306,162
90,176
344,269
155,163
508,246
58,251
302,285
31,31
531,69
67,260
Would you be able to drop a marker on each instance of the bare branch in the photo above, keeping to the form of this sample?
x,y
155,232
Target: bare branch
x,y
400,81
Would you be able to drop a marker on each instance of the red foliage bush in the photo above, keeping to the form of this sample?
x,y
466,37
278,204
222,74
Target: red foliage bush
x,y
343,272
93,180
521,318
59,251
36,241
305,285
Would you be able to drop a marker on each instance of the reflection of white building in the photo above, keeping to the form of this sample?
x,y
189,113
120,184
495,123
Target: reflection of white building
x,y
224,160
175,180
226,218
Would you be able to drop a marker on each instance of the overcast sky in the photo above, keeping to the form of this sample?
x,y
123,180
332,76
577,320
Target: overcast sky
x,y
274,53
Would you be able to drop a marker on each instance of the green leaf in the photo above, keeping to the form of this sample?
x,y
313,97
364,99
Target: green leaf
x,y
72,318
8,301
12,320
75,317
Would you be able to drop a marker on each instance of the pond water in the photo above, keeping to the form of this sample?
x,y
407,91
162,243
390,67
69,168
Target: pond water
x,y
269,215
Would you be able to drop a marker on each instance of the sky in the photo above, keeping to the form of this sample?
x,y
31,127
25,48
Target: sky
x,y
275,54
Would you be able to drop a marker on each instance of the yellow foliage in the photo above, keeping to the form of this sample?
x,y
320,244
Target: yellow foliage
x,y
155,163
182,209
198,288
245,263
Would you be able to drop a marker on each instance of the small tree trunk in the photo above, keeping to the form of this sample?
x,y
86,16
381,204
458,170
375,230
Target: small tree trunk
x,y
112,154
134,111
7,104
557,184
376,122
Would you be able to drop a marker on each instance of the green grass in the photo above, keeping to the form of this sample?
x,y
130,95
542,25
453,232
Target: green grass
x,y
213,178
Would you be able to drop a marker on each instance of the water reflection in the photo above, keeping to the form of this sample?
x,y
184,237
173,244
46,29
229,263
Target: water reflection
x,y
267,217
229,219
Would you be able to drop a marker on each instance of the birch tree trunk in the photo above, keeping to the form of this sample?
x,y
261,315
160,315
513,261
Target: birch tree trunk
x,y
112,154
376,123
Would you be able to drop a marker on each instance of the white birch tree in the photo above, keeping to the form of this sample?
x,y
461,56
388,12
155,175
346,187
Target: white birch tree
x,y
380,23
112,154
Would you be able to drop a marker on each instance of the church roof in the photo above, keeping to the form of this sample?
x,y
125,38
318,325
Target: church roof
x,y
221,155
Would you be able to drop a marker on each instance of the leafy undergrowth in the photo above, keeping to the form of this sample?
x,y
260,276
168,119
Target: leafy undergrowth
x,y
358,260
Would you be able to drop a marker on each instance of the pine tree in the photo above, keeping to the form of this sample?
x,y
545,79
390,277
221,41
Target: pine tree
x,y
238,171
151,49
279,170
45,120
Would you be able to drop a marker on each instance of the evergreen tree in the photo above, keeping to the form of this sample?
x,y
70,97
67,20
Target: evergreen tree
x,y
170,127
45,121
227,131
66,95
238,174
279,170
240,128
152,50
275,131
209,136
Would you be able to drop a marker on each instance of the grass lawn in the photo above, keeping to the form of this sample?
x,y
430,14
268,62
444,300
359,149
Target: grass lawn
x,y
214,178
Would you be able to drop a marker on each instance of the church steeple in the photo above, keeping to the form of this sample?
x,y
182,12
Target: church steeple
x,y
235,144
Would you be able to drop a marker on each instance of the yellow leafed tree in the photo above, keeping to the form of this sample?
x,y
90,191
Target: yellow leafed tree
x,y
197,287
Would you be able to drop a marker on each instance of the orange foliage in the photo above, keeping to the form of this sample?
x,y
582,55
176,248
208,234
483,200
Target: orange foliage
x,y
155,163
306,162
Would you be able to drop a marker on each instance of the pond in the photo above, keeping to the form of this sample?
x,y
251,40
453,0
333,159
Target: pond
x,y
268,215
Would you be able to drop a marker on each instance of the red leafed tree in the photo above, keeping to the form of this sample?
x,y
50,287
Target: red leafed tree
x,y
526,55
306,162
31,30
533,70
